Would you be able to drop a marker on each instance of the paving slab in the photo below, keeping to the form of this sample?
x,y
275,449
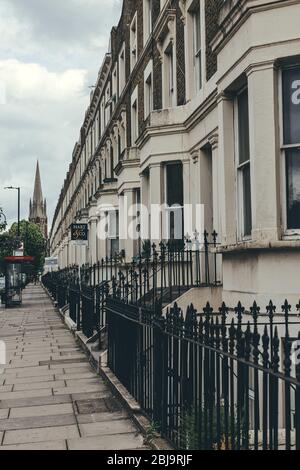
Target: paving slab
x,y
50,445
31,380
106,428
76,376
41,434
39,385
31,422
39,401
73,369
4,413
6,388
25,394
100,417
77,389
84,382
117,442
44,410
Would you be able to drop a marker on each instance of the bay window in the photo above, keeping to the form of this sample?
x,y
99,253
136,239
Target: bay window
x,y
291,144
112,239
174,200
243,165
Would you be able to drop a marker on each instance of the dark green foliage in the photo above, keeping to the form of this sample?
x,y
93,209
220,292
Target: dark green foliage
x,y
34,243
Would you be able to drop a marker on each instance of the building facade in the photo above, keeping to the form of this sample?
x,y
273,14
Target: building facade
x,y
197,102
38,205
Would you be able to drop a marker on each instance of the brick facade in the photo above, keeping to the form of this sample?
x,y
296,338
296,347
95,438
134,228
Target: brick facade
x,y
212,10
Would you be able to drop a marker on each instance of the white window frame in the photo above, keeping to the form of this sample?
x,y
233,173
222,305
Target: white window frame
x,y
133,42
107,106
169,93
134,116
288,234
114,86
162,4
168,210
147,19
122,69
239,176
197,52
112,233
148,90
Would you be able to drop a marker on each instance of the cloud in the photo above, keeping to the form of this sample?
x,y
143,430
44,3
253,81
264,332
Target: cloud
x,y
72,30
35,83
50,51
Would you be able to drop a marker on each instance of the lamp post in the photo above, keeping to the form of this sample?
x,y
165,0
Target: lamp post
x,y
19,191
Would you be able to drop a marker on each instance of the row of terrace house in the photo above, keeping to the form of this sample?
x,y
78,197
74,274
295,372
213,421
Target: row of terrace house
x,y
197,103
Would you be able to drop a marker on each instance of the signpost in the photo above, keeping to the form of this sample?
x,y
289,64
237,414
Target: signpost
x,y
79,237
79,234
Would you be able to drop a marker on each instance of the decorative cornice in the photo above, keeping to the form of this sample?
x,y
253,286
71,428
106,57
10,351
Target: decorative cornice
x,y
195,154
214,141
166,25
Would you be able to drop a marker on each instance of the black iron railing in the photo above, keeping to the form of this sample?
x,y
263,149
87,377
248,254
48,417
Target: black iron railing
x,y
211,380
161,273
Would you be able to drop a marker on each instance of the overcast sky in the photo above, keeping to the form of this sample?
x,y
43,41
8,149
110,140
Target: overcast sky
x,y
50,52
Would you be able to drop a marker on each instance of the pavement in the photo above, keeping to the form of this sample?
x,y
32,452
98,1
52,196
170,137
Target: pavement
x,y
50,397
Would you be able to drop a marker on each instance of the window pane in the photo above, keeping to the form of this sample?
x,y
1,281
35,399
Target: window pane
x,y
293,188
174,184
197,30
247,200
243,123
291,106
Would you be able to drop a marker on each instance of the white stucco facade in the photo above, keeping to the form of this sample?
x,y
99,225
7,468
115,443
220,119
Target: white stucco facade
x,y
244,196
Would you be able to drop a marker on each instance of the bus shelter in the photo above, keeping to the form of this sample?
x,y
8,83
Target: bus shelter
x,y
16,270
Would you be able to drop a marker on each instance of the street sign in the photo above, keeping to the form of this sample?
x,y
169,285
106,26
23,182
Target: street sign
x,y
18,253
79,233
51,264
51,261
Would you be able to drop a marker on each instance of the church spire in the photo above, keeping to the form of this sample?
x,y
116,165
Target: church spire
x,y
37,206
37,194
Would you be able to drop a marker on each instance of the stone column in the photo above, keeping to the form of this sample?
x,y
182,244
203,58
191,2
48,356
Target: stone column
x,y
264,151
214,142
101,238
145,209
156,200
93,239
227,193
128,211
187,200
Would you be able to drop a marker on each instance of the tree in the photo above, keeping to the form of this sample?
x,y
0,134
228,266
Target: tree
x,y
34,243
7,244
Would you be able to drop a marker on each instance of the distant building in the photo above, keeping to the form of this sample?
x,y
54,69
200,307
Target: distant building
x,y
37,206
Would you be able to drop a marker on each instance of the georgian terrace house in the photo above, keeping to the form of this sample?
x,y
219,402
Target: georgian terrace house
x,y
196,102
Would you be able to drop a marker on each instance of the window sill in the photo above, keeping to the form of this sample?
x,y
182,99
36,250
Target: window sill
x,y
247,246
